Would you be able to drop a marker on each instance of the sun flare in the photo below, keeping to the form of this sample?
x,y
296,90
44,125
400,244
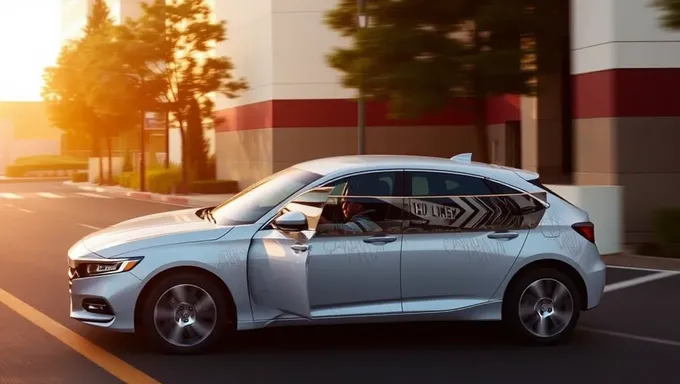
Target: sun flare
x,y
30,39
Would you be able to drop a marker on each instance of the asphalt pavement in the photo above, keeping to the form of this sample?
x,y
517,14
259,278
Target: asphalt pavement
x,y
633,337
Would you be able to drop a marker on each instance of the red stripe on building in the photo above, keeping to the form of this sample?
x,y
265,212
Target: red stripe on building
x,y
330,113
649,92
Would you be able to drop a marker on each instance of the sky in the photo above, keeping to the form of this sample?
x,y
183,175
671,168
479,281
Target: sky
x,y
30,39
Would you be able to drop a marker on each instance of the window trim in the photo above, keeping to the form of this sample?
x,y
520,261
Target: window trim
x,y
321,182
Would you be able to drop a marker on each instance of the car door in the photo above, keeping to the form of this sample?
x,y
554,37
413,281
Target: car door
x,y
354,263
278,260
462,234
333,269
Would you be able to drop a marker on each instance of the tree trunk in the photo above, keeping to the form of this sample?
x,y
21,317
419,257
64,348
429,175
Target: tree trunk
x,y
110,155
100,160
167,139
481,129
184,187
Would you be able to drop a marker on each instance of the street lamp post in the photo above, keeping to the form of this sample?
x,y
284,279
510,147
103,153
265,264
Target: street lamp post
x,y
362,22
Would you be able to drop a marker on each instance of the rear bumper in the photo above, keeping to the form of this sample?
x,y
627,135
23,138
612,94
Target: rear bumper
x,y
595,276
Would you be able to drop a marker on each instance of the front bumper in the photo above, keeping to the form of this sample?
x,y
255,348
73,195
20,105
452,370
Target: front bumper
x,y
116,293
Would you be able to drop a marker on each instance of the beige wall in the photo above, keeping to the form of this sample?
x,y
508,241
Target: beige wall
x,y
245,156
250,155
639,154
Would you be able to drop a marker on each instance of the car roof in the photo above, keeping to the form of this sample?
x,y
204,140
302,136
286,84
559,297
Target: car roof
x,y
339,165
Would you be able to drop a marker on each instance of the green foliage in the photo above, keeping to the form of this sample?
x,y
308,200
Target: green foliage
x,y
158,180
163,180
127,162
670,13
666,231
419,56
129,180
48,159
214,187
80,177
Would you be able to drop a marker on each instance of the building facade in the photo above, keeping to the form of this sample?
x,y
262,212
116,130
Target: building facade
x,y
606,114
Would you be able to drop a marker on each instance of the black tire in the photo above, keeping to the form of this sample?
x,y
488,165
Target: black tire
x,y
223,325
511,304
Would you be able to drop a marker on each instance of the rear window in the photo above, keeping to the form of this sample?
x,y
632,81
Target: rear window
x,y
538,183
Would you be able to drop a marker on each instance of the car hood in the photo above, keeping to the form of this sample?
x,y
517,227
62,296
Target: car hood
x,y
159,229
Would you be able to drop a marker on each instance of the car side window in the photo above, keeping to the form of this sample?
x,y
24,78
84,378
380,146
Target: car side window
x,y
361,205
448,202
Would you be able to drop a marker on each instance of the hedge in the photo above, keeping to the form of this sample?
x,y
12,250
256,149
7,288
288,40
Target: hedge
x,y
80,177
168,181
44,169
214,187
48,159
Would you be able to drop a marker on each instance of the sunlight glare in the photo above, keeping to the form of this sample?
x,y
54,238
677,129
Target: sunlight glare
x,y
30,40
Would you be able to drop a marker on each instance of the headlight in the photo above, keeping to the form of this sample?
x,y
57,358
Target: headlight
x,y
98,267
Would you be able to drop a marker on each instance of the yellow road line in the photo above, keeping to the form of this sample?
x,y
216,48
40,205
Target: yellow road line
x,y
110,363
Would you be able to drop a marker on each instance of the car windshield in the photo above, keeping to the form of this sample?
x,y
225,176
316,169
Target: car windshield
x,y
252,203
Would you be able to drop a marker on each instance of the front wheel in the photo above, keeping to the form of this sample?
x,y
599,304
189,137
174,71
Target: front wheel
x,y
542,307
184,313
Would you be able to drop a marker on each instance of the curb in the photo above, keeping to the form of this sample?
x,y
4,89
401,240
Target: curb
x,y
146,196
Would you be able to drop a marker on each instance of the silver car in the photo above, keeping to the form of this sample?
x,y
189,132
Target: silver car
x,y
347,239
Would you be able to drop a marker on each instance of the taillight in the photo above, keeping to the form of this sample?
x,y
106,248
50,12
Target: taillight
x,y
586,230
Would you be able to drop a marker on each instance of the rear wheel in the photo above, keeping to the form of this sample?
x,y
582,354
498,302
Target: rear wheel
x,y
542,307
185,313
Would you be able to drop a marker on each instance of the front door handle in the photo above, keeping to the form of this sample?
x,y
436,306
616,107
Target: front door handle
x,y
503,235
299,247
380,240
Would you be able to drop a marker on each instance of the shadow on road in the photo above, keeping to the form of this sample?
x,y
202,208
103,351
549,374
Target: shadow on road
x,y
382,337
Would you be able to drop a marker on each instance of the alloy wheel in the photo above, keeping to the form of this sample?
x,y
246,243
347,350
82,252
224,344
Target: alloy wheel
x,y
546,308
185,315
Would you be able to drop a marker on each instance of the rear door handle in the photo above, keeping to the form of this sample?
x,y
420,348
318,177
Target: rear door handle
x,y
380,240
299,247
502,235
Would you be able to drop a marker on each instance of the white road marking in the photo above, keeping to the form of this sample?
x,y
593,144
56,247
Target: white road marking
x,y
10,196
25,210
639,268
655,340
9,205
89,226
639,280
95,195
49,195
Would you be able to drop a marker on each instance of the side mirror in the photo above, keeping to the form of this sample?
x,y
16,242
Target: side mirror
x,y
291,222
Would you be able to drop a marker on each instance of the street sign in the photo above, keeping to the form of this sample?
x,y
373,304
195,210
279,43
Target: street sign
x,y
154,121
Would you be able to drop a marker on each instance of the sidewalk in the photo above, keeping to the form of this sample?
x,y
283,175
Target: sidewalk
x,y
187,200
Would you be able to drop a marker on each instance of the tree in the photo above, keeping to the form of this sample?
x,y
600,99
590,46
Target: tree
x,y
82,91
197,146
110,92
65,99
670,13
180,36
420,56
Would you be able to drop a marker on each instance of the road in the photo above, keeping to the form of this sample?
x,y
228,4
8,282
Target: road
x,y
633,337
